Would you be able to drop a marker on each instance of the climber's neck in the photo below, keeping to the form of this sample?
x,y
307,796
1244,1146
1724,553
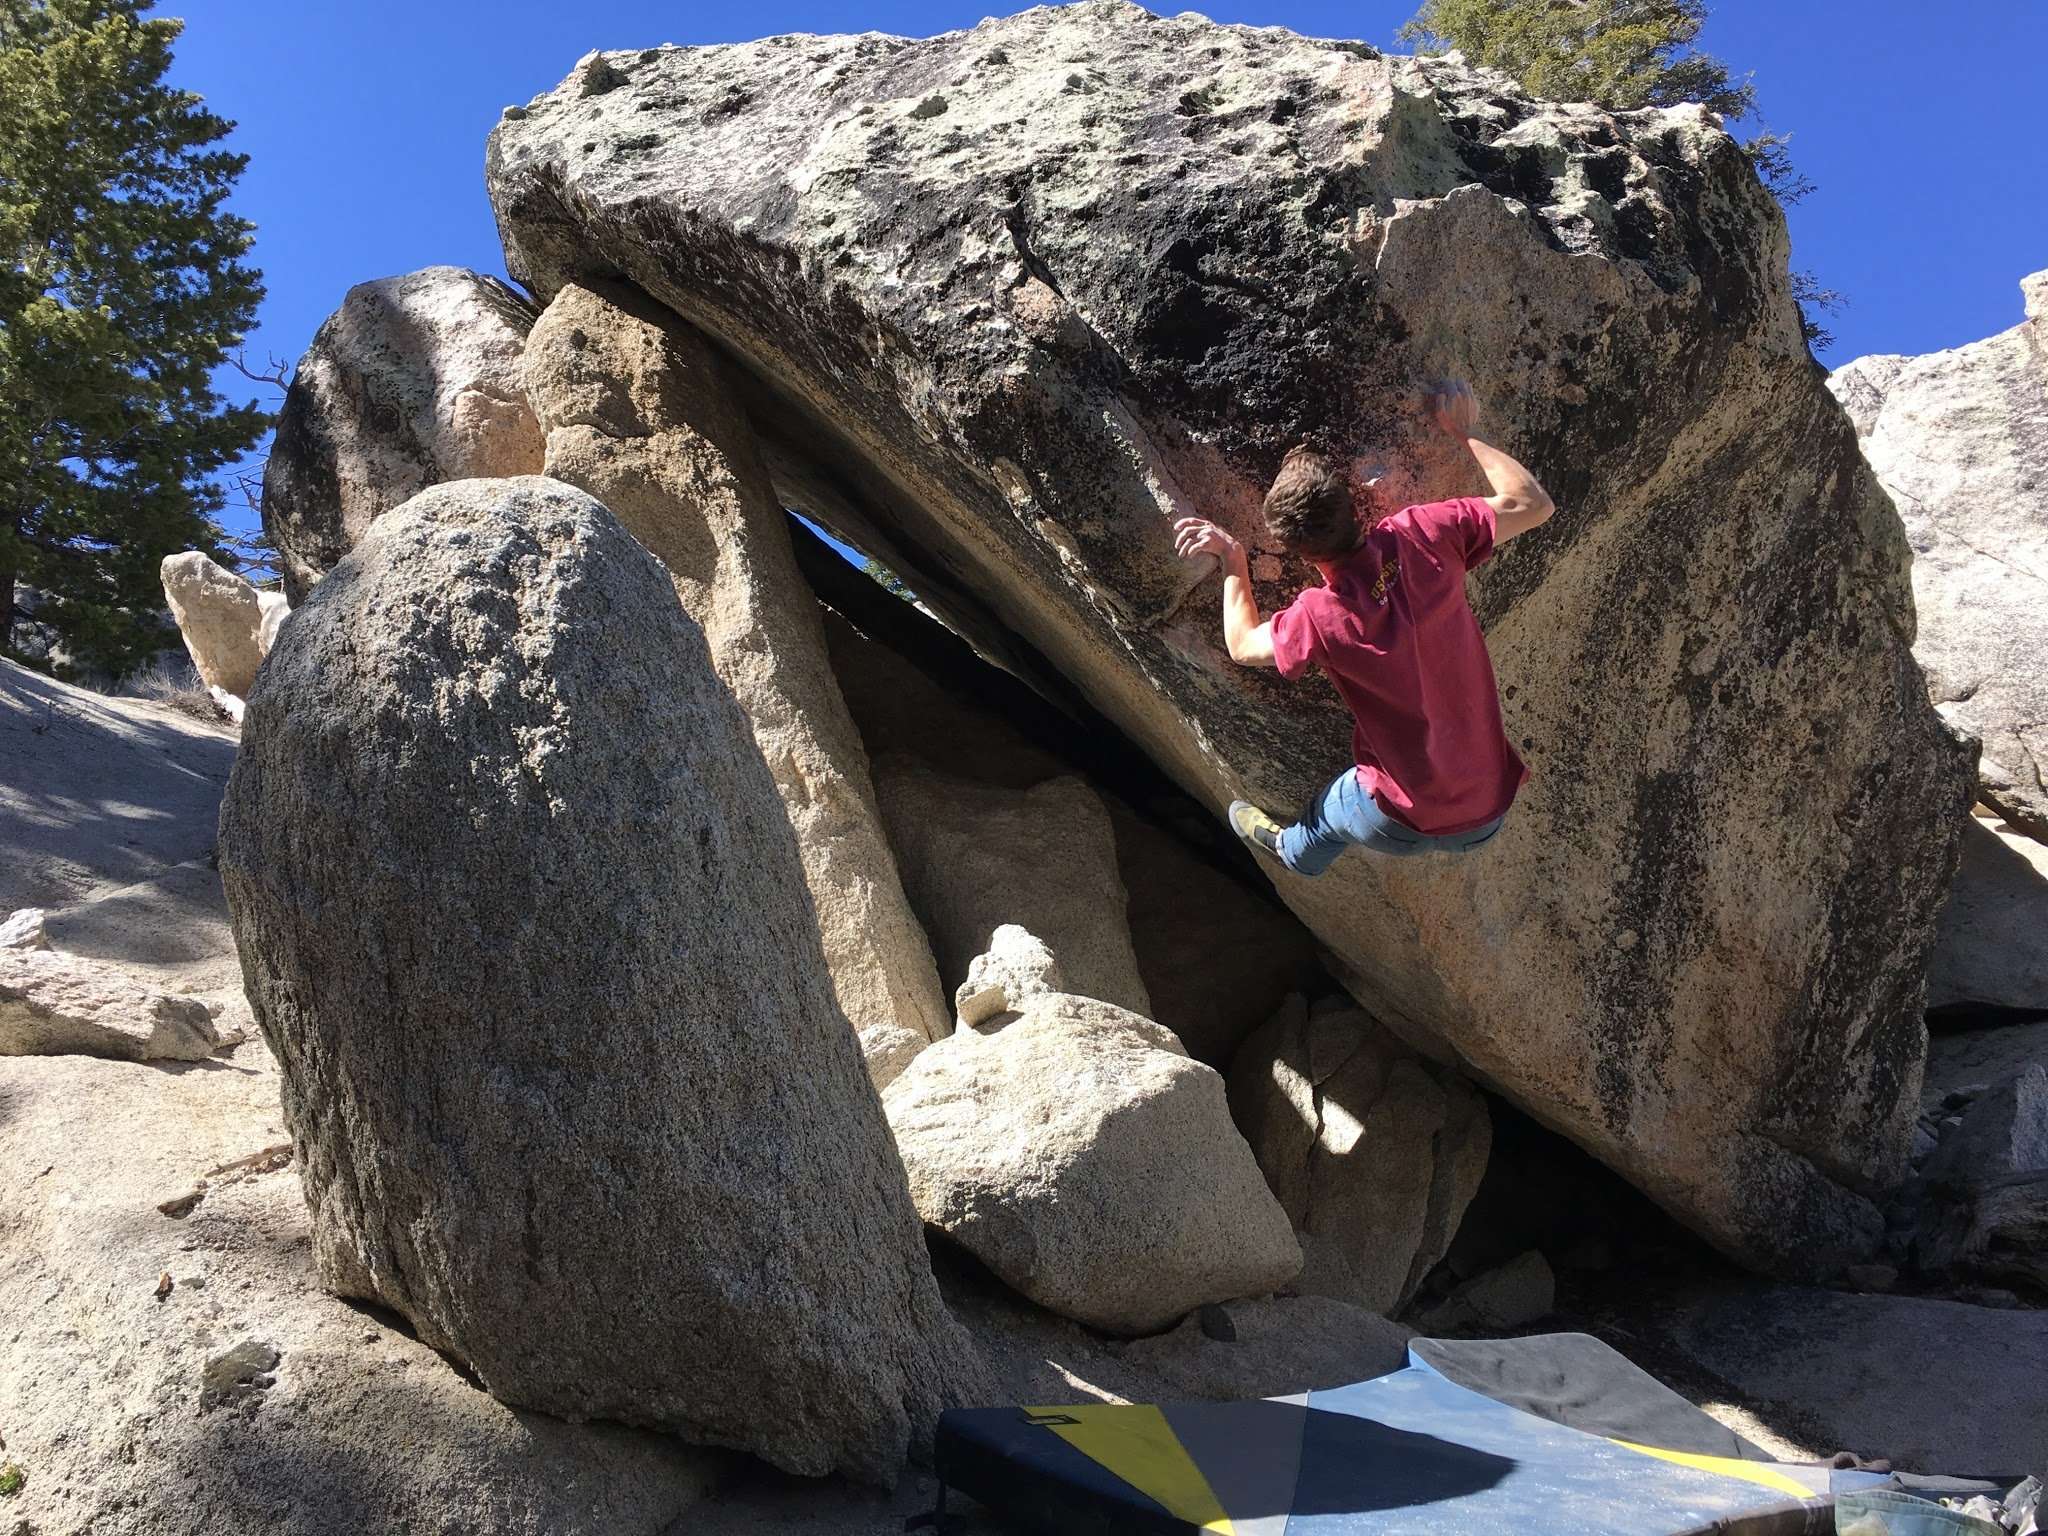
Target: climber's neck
x,y
1327,569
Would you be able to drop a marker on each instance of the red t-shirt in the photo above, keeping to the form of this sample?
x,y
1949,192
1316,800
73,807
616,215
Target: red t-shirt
x,y
1394,633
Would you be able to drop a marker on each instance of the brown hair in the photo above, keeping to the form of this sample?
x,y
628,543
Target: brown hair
x,y
1309,507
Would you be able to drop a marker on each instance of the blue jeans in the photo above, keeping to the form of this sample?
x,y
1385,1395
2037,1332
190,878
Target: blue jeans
x,y
1344,814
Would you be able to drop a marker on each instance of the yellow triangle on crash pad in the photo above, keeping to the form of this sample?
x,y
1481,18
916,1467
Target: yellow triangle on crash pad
x,y
1136,1443
1728,1466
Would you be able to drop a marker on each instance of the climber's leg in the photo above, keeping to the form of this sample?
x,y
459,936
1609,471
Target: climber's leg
x,y
1340,818
1342,815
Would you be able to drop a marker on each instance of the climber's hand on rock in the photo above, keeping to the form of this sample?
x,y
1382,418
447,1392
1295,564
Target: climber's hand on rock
x,y
1194,536
1454,409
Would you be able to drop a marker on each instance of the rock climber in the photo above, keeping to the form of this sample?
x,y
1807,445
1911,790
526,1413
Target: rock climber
x,y
1390,627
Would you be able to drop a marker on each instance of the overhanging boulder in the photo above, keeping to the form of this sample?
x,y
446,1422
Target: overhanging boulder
x,y
1014,298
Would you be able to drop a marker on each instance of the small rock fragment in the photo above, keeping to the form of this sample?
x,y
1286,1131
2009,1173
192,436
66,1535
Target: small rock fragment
x,y
237,1374
24,930
595,75
183,1205
1014,969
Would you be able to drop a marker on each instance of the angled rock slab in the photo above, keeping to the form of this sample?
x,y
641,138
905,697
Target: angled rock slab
x,y
1959,440
412,381
976,857
221,617
639,412
60,1005
1133,260
1085,1159
521,914
1372,1151
1992,947
98,793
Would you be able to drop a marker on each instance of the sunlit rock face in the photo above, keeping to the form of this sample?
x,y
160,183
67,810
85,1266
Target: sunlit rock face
x,y
1011,299
1960,441
413,381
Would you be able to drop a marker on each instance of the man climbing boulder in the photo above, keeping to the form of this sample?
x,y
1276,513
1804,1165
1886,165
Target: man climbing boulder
x,y
1391,628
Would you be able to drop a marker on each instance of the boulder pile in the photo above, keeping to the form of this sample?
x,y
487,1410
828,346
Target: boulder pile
x,y
711,993
1002,304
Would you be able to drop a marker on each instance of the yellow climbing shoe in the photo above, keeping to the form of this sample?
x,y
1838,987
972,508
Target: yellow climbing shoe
x,y
1260,831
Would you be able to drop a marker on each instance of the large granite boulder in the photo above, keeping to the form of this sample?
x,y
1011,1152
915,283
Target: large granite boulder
x,y
639,412
1373,1152
413,381
522,917
1080,1155
1960,441
1011,299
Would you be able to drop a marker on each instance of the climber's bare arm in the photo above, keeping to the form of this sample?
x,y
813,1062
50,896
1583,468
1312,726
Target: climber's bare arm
x,y
1248,639
1519,503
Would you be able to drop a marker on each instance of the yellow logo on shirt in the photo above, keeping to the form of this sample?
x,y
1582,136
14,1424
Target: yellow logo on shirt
x,y
1390,573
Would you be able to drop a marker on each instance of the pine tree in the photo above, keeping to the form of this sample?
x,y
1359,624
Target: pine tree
x,y
1621,54
122,289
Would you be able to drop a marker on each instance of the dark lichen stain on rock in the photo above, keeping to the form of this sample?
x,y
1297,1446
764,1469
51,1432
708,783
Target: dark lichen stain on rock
x,y
239,1374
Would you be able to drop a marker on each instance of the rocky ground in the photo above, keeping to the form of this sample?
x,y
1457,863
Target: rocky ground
x,y
170,1345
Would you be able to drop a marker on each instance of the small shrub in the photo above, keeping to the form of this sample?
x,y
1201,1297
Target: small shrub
x,y
12,1477
174,684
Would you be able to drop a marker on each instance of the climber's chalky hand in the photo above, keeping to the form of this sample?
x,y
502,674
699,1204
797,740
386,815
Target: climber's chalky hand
x,y
1454,408
1193,536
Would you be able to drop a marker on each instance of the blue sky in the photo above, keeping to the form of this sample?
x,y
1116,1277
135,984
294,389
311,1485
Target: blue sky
x,y
365,124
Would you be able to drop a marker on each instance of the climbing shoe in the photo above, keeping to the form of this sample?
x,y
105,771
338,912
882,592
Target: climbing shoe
x,y
1255,827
